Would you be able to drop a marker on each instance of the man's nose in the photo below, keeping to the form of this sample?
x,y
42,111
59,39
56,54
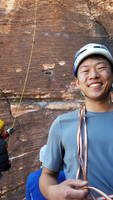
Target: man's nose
x,y
93,74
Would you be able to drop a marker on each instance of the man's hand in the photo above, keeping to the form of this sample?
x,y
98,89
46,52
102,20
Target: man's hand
x,y
68,190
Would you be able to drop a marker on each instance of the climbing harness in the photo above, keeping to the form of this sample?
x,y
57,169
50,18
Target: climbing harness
x,y
82,152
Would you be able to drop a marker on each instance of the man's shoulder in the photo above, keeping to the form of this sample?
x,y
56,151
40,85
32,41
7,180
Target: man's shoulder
x,y
69,116
65,119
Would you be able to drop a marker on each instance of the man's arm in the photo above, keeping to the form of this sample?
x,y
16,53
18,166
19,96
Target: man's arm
x,y
69,189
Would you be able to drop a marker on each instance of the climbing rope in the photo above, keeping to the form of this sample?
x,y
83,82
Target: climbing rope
x,y
29,61
26,76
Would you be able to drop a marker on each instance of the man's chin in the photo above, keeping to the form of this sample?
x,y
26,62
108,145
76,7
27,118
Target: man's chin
x,y
102,97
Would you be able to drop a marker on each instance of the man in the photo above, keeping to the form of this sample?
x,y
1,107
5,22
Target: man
x,y
80,142
32,186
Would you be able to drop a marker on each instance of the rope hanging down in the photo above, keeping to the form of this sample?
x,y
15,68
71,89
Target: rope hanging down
x,y
30,59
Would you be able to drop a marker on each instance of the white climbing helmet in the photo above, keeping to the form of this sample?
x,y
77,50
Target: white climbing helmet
x,y
88,50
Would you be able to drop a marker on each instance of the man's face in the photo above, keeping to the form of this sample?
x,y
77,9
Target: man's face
x,y
94,78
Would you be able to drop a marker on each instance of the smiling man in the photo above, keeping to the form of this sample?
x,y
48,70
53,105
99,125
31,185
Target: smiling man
x,y
80,142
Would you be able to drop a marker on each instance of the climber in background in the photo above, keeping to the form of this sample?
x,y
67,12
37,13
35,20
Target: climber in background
x,y
5,133
32,185
5,163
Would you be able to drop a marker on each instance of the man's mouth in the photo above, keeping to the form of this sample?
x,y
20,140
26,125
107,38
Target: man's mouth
x,y
94,85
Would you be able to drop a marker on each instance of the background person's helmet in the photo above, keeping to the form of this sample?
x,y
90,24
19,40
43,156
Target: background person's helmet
x,y
2,124
91,49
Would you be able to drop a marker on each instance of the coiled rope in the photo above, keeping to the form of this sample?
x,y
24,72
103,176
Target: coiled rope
x,y
82,151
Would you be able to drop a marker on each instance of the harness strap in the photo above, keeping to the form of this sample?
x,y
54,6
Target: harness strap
x,y
82,153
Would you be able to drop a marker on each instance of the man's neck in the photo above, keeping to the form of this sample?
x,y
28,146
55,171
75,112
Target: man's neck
x,y
99,106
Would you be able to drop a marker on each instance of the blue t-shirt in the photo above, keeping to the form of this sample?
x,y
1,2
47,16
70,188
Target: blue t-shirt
x,y
32,186
62,147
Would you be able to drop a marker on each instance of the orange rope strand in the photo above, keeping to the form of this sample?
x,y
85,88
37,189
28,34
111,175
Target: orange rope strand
x,y
30,59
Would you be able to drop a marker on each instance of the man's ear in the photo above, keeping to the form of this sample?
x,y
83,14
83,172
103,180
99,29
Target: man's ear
x,y
77,83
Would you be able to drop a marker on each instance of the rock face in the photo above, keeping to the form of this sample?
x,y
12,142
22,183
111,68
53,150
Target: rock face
x,y
38,40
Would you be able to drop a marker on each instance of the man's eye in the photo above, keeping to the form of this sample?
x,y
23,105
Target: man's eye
x,y
102,67
85,71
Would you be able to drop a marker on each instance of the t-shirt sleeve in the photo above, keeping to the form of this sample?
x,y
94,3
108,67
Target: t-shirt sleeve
x,y
28,189
53,156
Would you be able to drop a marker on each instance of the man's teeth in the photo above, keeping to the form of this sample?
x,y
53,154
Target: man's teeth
x,y
95,85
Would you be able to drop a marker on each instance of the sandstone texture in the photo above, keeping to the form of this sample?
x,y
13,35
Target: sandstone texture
x,y
38,40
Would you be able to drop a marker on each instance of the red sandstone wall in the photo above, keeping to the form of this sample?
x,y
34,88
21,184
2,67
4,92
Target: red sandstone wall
x,y
62,26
